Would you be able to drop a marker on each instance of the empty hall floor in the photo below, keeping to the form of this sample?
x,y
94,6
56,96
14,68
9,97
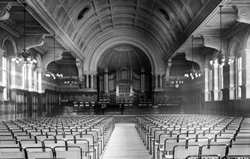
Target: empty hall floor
x,y
125,143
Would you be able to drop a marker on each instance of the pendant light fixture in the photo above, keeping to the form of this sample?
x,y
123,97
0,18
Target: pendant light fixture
x,y
24,57
178,81
220,57
193,73
70,81
53,73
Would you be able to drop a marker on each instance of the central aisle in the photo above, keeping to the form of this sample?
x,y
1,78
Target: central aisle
x,y
125,143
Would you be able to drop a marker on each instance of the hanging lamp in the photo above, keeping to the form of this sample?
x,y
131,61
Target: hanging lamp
x,y
24,57
70,81
178,81
53,73
220,57
193,73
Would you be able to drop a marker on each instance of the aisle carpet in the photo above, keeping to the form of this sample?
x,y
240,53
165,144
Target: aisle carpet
x,y
125,143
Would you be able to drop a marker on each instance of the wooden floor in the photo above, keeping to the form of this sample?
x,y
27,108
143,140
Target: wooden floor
x,y
125,143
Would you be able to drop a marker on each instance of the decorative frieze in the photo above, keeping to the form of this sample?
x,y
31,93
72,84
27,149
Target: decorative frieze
x,y
11,28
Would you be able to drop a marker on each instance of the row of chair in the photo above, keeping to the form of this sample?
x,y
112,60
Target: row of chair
x,y
89,133
43,152
222,150
157,130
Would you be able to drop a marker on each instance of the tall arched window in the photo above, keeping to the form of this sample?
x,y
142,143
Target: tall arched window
x,y
216,80
35,81
238,77
5,78
221,81
24,73
8,68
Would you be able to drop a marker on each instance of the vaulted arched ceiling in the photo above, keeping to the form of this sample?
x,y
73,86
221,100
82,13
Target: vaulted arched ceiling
x,y
161,22
124,56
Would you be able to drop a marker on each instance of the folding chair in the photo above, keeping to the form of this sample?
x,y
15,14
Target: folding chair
x,y
64,136
236,157
43,137
12,152
39,152
30,143
84,145
239,149
5,137
97,140
22,137
156,141
219,149
93,145
183,151
152,139
221,140
169,145
241,140
69,152
198,141
203,157
9,143
53,142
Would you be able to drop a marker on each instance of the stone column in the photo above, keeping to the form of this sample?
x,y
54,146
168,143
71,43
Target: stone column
x,y
106,80
95,80
156,81
117,83
91,81
87,80
131,82
161,80
79,65
84,81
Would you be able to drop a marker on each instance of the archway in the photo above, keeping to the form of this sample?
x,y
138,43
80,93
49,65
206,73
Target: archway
x,y
124,72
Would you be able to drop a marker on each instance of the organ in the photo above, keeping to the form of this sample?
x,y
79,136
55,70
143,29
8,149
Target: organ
x,y
124,85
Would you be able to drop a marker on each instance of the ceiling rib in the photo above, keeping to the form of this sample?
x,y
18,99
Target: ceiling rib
x,y
151,10
96,13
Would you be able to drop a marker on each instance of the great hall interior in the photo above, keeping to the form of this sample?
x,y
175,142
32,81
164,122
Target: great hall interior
x,y
107,79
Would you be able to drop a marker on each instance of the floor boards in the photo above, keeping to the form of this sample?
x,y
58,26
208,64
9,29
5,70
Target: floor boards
x,y
125,143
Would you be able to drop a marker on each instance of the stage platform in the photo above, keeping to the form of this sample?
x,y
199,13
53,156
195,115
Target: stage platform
x,y
71,110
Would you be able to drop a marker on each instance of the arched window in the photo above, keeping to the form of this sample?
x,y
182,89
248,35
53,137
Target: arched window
x,y
35,80
235,69
5,78
210,83
221,81
24,73
216,80
238,76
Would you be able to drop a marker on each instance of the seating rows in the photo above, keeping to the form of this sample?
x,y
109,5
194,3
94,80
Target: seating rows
x,y
67,137
180,136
